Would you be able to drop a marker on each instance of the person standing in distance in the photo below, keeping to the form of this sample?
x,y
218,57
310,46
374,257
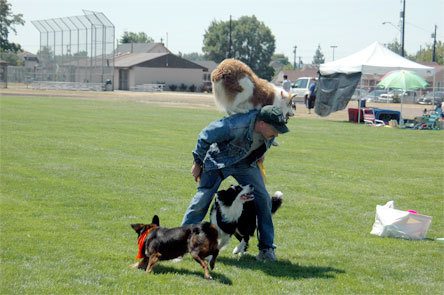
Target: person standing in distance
x,y
286,84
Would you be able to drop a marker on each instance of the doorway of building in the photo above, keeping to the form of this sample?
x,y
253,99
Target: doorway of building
x,y
123,79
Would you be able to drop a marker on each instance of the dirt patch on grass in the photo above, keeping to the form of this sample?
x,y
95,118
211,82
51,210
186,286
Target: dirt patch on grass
x,y
194,100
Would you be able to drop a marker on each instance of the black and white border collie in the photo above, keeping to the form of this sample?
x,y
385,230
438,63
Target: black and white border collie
x,y
234,213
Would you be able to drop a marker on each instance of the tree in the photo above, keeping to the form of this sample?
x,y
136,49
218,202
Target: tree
x,y
395,46
252,43
281,58
281,62
131,37
193,56
46,57
425,53
318,58
8,21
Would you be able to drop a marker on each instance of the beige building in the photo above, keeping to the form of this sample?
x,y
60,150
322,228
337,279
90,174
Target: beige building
x,y
136,65
135,69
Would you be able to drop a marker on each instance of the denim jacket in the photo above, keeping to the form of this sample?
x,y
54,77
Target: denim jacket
x,y
226,141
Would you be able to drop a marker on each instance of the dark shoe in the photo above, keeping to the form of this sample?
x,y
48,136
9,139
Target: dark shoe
x,y
266,255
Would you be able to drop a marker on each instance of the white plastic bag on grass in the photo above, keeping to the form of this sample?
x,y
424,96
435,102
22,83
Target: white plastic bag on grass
x,y
390,222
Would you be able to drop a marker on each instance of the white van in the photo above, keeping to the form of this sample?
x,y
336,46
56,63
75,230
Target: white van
x,y
301,87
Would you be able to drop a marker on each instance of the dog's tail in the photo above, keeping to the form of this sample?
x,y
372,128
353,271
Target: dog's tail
x,y
276,201
208,229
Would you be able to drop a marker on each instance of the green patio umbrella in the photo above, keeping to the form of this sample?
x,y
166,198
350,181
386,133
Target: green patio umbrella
x,y
404,80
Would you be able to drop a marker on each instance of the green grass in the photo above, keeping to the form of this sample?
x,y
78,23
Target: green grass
x,y
76,173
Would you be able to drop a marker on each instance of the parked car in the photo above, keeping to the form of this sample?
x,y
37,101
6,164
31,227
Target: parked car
x,y
359,93
301,88
374,95
428,97
386,97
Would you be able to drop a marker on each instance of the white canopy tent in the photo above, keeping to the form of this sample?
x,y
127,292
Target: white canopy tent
x,y
375,59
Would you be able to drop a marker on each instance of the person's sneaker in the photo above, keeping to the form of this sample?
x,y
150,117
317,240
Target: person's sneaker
x,y
266,255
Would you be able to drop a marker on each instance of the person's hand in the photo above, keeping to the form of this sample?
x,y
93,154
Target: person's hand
x,y
261,160
196,170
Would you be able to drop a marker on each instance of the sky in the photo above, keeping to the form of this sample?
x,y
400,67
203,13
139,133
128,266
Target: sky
x,y
350,25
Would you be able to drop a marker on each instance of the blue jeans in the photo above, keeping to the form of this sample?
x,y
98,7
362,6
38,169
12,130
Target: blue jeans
x,y
244,174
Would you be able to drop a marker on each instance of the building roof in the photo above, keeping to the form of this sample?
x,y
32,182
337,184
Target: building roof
x,y
293,75
439,70
306,71
132,59
155,60
141,48
209,64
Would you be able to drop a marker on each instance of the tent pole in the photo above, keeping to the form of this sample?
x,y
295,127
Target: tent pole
x,y
433,87
401,120
359,100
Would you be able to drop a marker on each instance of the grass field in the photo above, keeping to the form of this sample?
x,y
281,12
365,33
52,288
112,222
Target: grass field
x,y
76,173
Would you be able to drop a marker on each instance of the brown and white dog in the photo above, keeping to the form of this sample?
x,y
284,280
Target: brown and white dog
x,y
237,89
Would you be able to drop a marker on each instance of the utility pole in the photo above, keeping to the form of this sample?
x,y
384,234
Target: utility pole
x,y
403,27
294,57
333,48
434,46
230,42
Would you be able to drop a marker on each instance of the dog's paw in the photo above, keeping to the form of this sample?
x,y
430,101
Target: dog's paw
x,y
237,251
240,249
278,194
134,265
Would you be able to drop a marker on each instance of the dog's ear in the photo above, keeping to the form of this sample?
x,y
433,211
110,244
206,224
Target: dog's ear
x,y
138,227
221,194
156,220
227,197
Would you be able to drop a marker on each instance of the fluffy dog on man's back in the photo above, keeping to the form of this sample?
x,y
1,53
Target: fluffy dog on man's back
x,y
237,89
160,243
234,213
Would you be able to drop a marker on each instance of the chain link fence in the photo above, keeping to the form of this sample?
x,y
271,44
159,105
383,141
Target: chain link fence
x,y
75,52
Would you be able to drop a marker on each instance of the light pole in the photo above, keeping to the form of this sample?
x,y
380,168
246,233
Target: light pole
x,y
294,57
333,49
401,36
401,27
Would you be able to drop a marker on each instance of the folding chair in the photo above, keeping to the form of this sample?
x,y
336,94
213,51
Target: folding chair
x,y
370,118
432,122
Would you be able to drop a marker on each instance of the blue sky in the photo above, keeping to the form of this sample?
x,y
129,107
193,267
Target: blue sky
x,y
350,25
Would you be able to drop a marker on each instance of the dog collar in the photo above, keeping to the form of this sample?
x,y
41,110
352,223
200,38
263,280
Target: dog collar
x,y
141,242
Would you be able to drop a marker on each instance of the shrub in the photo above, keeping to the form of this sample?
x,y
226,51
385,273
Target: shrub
x,y
192,88
183,87
172,87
